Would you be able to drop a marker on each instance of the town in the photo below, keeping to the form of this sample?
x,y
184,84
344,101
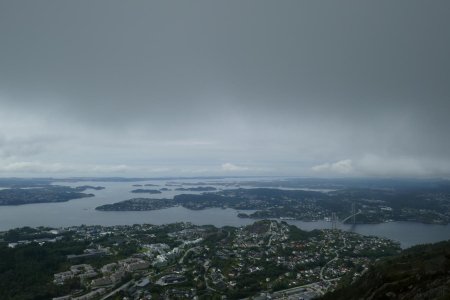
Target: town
x,y
264,260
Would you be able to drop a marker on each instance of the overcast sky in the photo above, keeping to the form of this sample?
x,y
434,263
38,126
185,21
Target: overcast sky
x,y
193,88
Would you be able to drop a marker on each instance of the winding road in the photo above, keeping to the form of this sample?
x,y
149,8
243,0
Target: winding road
x,y
330,261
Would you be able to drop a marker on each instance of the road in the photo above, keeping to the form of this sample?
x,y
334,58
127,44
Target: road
x,y
206,266
345,220
307,291
271,234
186,253
120,288
330,261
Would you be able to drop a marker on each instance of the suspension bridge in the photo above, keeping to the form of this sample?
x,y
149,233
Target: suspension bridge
x,y
354,213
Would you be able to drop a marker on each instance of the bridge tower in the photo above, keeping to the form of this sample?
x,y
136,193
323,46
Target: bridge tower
x,y
333,221
354,213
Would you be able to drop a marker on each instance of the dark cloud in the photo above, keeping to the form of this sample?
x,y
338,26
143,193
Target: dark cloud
x,y
292,87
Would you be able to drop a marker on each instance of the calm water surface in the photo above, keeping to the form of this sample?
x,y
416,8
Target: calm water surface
x,y
82,211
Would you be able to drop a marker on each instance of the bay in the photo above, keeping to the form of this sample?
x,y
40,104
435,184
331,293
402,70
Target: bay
x,y
82,211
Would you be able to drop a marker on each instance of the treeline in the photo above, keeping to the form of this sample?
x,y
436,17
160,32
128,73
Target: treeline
x,y
420,272
26,272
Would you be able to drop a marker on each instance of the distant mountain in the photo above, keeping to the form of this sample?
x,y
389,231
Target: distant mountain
x,y
420,272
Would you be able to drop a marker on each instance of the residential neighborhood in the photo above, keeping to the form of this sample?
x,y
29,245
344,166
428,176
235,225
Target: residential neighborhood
x,y
265,260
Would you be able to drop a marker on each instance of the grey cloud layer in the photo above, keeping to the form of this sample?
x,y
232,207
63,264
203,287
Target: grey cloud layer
x,y
291,87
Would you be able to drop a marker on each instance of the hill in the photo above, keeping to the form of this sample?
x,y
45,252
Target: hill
x,y
420,272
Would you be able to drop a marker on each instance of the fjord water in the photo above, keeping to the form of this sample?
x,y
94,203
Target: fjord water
x,y
82,211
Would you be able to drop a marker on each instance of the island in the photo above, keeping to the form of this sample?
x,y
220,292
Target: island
x,y
42,194
146,191
138,204
86,187
348,205
197,189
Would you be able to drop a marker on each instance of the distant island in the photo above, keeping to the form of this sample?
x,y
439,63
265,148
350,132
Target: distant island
x,y
86,187
44,194
146,191
138,204
197,189
242,199
147,184
365,206
173,184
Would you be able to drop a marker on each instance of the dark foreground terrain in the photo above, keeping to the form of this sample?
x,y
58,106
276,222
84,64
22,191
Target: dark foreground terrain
x,y
420,272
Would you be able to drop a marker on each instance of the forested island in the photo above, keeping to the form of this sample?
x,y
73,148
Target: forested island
x,y
138,204
146,191
197,189
42,194
87,187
